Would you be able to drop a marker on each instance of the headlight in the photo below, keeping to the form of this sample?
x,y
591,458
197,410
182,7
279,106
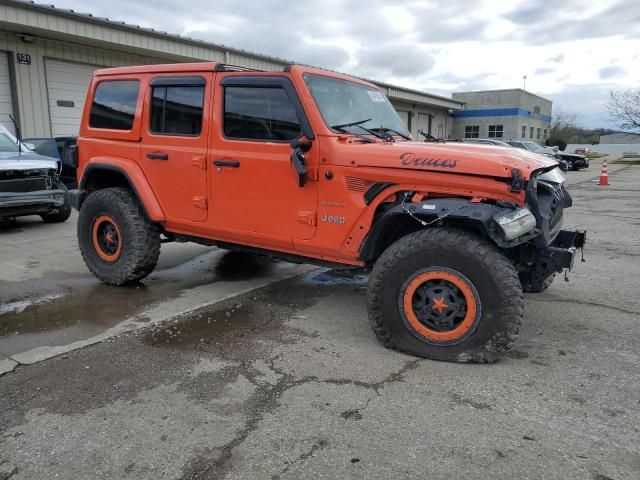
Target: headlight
x,y
515,222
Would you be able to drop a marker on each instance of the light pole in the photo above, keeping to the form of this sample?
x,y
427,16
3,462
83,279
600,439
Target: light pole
x,y
524,82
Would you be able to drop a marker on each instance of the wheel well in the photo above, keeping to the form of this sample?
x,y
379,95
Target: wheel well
x,y
99,178
393,227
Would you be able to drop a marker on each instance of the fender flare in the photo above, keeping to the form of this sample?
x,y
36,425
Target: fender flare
x,y
478,216
134,176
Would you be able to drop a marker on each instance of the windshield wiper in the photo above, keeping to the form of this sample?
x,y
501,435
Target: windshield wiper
x,y
350,124
341,129
387,129
383,136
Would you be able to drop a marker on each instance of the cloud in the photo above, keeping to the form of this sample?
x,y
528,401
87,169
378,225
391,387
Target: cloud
x,y
566,48
611,72
529,14
394,60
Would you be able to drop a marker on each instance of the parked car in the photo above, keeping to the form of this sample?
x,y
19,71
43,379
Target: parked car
x,y
29,182
487,141
317,167
569,161
63,150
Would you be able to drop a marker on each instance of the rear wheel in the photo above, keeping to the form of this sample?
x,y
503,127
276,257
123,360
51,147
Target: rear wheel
x,y
119,244
445,294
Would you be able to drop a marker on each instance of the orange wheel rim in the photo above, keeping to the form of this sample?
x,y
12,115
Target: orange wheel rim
x,y
107,240
441,305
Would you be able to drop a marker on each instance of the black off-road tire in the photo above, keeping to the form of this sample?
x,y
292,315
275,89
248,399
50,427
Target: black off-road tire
x,y
488,271
63,213
530,285
139,236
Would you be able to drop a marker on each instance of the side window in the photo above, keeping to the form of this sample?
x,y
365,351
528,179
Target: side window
x,y
114,104
259,113
177,110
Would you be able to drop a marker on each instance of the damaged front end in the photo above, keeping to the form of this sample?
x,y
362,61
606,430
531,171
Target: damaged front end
x,y
551,250
29,191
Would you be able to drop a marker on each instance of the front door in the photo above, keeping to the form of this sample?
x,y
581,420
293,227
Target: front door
x,y
175,142
254,187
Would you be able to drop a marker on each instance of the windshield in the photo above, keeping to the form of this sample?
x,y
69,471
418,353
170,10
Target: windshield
x,y
532,146
9,143
350,104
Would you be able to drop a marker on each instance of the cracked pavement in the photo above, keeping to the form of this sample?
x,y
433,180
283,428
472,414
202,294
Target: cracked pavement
x,y
288,382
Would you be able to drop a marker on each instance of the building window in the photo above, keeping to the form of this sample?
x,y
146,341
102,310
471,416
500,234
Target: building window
x,y
538,134
524,131
177,110
259,113
496,131
536,110
114,105
544,134
472,131
531,132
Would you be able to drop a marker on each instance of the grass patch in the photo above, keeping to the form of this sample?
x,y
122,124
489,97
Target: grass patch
x,y
594,155
631,155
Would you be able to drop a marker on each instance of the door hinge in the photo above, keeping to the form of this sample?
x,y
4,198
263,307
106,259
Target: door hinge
x,y
200,161
200,202
307,217
312,173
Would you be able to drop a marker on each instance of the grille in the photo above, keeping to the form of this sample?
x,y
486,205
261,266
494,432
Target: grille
x,y
358,184
557,212
19,185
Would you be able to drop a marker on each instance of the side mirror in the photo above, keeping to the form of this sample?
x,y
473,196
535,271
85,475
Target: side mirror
x,y
299,165
298,161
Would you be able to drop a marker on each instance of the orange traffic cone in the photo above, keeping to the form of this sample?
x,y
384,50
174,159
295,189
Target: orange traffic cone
x,y
604,174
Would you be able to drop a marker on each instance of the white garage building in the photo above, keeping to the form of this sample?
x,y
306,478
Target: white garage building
x,y
47,57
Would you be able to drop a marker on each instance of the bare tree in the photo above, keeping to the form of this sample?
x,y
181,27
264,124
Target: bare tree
x,y
624,108
564,125
563,119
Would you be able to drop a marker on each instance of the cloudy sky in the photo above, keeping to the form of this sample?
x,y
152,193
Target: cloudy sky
x,y
572,51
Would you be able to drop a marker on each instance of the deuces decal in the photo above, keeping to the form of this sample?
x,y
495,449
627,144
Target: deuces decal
x,y
410,158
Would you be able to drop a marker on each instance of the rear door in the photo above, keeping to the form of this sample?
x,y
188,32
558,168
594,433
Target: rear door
x,y
254,186
175,142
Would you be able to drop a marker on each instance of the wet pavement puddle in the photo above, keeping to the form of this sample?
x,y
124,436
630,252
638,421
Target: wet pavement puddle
x,y
60,310
250,319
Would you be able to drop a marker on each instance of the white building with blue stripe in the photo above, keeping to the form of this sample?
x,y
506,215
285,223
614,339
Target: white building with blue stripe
x,y
502,114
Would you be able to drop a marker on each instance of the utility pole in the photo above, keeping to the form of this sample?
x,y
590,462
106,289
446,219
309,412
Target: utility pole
x,y
524,82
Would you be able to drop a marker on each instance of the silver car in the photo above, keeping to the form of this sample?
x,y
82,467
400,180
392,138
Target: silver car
x,y
30,183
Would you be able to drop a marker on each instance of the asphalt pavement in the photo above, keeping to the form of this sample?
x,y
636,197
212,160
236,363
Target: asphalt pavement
x,y
273,371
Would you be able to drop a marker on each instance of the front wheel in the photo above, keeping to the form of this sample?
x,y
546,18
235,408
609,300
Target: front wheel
x,y
62,213
445,294
119,244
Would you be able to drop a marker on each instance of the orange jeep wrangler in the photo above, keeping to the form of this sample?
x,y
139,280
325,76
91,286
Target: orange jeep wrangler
x,y
316,167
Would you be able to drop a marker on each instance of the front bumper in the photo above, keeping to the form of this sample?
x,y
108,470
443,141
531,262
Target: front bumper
x,y
13,203
560,255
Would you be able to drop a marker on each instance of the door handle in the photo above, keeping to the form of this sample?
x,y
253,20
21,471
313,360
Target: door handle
x,y
158,156
226,163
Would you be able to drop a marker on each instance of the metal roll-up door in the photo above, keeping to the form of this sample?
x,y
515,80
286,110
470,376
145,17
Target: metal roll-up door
x,y
6,101
67,84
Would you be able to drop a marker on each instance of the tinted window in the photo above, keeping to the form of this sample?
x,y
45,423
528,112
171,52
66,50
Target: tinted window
x,y
177,110
259,113
114,104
